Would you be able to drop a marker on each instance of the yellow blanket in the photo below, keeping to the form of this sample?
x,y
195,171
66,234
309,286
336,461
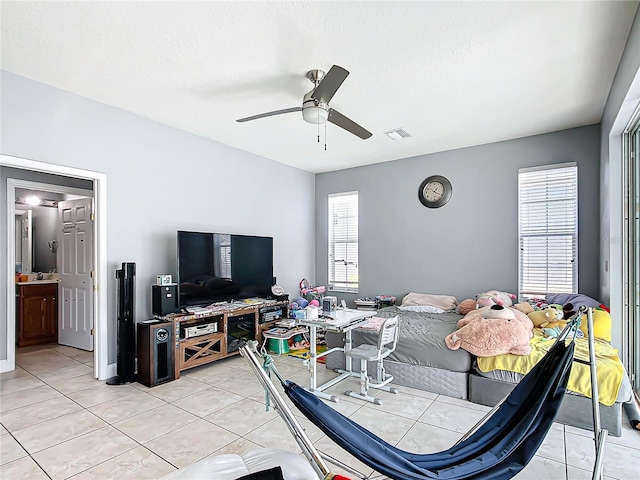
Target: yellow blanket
x,y
609,367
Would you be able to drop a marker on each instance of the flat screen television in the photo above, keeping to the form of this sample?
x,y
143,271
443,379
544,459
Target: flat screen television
x,y
216,267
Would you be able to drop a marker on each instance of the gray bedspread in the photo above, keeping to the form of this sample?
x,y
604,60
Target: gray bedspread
x,y
421,340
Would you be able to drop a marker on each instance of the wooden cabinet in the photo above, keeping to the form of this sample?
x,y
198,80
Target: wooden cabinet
x,y
37,314
234,323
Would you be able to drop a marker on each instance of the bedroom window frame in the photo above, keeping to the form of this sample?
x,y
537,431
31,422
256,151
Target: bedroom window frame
x,y
342,230
548,230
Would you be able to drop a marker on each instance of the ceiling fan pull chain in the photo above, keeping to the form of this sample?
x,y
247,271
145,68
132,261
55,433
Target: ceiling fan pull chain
x,y
325,136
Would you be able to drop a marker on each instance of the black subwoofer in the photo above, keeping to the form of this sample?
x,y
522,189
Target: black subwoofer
x,y
155,353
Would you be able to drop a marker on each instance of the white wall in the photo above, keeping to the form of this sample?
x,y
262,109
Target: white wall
x,y
159,180
624,97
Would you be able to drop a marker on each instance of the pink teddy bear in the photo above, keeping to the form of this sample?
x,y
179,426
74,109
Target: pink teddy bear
x,y
494,297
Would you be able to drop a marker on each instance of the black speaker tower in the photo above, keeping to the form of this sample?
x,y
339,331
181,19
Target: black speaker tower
x,y
126,325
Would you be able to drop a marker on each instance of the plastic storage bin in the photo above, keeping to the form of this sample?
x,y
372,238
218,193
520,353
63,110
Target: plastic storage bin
x,y
279,345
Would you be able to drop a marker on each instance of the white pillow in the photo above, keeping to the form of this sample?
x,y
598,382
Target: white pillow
x,y
421,308
446,302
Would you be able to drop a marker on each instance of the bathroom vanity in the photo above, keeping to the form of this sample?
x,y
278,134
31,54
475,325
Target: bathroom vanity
x,y
37,312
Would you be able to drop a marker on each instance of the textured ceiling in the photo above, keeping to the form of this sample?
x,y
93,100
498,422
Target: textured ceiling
x,y
453,74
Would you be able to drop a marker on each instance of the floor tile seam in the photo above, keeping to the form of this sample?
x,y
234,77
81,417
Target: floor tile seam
x,y
131,393
29,368
156,454
240,436
195,393
85,406
89,468
62,379
19,376
80,407
57,391
390,413
40,467
620,445
74,391
379,410
108,460
214,452
481,410
105,424
150,392
115,425
444,428
112,422
21,446
2,394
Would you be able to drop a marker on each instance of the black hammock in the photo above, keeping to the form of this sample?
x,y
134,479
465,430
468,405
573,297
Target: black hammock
x,y
500,448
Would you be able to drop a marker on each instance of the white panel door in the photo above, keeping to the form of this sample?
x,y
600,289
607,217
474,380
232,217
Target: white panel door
x,y
75,264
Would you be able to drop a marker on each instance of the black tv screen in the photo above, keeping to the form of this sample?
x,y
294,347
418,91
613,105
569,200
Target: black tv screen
x,y
215,267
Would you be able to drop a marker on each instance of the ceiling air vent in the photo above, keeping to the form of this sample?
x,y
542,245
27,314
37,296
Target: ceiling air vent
x,y
398,134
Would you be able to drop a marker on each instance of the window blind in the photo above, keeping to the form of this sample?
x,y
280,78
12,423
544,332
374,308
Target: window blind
x,y
548,230
343,242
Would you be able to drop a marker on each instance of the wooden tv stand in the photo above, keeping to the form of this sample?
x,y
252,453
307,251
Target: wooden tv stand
x,y
230,320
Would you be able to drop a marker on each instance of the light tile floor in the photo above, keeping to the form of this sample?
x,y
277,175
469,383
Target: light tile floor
x,y
58,422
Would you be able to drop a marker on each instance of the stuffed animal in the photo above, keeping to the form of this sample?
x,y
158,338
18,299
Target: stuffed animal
x,y
545,318
494,297
493,331
466,306
524,307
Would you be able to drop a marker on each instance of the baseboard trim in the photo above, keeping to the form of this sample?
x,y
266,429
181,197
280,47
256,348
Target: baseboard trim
x,y
112,371
7,366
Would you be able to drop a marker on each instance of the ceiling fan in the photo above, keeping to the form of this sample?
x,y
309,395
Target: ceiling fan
x,y
315,104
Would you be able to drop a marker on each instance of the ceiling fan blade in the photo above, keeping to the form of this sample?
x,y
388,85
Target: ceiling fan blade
x,y
330,84
349,125
270,114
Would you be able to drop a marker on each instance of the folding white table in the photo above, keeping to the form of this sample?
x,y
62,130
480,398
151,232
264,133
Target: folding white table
x,y
343,320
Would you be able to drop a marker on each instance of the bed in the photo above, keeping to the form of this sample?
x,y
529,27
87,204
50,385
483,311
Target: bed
x,y
423,361
494,377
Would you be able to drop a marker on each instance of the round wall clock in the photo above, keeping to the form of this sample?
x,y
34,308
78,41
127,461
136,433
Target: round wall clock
x,y
435,191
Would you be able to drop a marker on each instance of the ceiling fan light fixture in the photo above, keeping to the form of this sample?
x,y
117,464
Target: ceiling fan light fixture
x,y
315,115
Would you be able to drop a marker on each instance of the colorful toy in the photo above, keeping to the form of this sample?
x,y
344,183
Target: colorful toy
x,y
310,292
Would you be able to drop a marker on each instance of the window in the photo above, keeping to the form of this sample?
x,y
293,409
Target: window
x,y
343,242
631,250
548,230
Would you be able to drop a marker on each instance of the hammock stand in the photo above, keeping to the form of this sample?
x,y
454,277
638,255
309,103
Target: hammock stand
x,y
499,446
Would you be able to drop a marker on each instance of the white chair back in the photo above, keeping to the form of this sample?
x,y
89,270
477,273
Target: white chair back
x,y
388,334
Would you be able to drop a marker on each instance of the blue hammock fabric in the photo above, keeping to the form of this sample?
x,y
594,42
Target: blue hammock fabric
x,y
499,449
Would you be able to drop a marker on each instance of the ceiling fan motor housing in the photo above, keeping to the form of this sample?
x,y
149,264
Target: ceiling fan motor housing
x,y
314,111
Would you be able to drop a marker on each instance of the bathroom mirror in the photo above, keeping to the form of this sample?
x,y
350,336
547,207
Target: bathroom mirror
x,y
24,241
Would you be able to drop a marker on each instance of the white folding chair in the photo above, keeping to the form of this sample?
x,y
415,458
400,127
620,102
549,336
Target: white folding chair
x,y
387,341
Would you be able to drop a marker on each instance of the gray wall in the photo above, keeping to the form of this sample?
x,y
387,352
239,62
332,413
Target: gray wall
x,y
159,180
471,244
623,98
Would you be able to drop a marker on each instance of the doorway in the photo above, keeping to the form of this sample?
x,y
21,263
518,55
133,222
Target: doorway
x,y
59,248
102,369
